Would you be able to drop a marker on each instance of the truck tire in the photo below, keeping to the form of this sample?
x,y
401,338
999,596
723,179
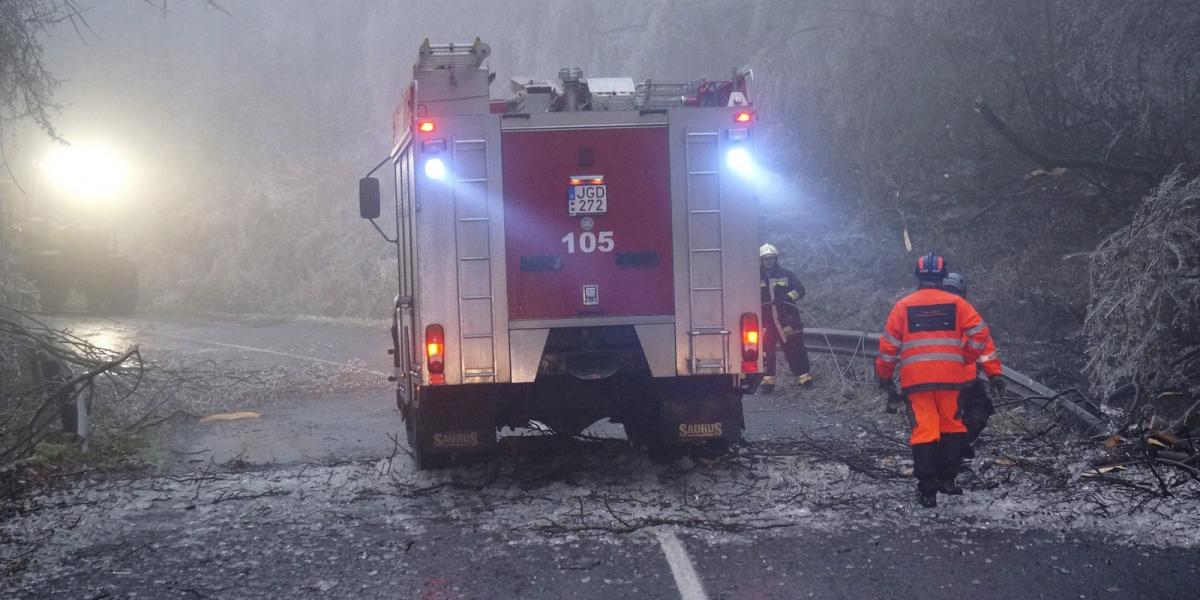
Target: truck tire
x,y
661,452
642,431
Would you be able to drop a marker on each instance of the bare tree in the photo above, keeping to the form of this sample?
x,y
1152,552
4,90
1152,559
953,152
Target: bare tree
x,y
26,87
26,93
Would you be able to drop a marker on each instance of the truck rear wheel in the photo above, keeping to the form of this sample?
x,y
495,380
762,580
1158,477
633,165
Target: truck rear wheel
x,y
428,461
644,431
662,452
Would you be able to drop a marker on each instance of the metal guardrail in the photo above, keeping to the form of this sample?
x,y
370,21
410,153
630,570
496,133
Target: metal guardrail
x,y
54,376
865,344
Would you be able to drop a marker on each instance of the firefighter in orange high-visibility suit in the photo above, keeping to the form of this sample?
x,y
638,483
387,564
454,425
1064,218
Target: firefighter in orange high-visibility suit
x,y
929,339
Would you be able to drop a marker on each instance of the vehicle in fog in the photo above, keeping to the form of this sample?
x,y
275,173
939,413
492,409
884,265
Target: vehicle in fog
x,y
584,249
64,254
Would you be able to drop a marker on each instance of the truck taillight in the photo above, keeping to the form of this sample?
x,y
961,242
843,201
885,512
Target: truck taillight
x,y
743,116
426,126
435,353
750,343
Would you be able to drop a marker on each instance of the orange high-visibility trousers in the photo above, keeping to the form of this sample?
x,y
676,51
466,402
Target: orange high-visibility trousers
x,y
932,413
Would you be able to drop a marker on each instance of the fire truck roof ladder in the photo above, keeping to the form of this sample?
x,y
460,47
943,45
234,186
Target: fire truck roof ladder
x,y
651,94
452,55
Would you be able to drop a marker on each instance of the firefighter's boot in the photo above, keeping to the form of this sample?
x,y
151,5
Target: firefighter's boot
x,y
947,485
804,380
768,385
925,469
926,498
950,452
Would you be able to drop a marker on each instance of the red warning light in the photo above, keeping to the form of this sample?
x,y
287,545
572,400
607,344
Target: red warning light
x,y
742,116
426,126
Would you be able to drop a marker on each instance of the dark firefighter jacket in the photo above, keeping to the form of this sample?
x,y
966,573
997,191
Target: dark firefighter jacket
x,y
934,337
780,293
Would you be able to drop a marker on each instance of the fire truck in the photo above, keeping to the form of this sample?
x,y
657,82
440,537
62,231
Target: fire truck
x,y
582,250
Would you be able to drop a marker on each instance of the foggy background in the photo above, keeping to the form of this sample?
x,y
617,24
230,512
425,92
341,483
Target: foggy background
x,y
247,132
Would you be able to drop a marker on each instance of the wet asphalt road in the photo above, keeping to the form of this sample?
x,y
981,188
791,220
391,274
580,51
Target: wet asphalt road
x,y
367,548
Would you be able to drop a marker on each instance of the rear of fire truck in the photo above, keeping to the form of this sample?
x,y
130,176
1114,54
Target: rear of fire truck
x,y
582,250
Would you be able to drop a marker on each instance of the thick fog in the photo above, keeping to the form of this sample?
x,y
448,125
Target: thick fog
x,y
245,130
246,127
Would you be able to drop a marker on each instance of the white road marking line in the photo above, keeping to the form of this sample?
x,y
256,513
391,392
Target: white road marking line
x,y
265,351
686,579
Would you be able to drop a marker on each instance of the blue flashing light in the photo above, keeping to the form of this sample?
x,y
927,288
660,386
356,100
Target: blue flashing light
x,y
739,159
435,168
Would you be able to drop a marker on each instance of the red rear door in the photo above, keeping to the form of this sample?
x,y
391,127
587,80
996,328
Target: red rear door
x,y
612,257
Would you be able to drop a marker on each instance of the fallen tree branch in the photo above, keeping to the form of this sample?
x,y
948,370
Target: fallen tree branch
x,y
1162,485
1193,472
1051,162
38,424
242,495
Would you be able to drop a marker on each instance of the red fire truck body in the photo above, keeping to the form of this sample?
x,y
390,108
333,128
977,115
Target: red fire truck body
x,y
629,164
583,250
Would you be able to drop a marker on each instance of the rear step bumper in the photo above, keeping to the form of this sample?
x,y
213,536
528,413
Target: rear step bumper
x,y
682,410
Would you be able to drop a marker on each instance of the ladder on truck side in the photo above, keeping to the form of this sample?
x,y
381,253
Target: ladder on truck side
x,y
472,221
706,276
473,257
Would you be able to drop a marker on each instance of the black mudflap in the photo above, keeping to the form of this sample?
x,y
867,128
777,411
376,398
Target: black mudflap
x,y
700,409
450,421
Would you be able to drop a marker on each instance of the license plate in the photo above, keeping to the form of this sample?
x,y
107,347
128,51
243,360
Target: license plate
x,y
591,199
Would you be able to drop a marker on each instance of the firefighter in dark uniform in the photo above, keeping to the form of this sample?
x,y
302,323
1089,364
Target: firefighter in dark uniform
x,y
781,318
973,400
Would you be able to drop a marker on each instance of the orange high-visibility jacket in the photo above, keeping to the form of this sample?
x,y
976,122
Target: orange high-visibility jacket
x,y
934,337
989,360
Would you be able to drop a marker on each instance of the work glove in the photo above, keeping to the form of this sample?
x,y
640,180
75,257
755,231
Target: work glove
x,y
893,396
893,401
998,385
